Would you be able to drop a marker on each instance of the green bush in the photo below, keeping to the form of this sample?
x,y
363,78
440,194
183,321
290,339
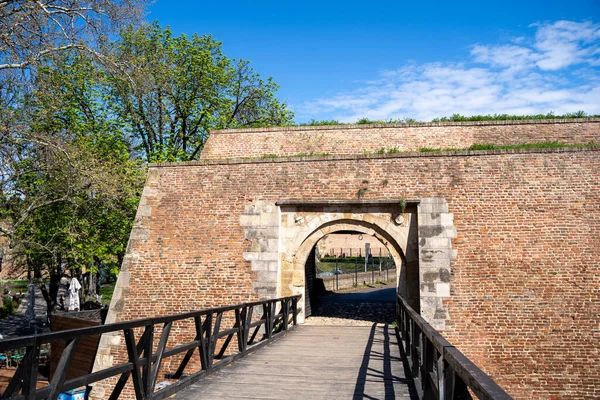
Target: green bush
x,y
8,308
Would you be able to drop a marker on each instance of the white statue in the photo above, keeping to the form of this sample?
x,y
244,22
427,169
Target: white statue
x,y
74,295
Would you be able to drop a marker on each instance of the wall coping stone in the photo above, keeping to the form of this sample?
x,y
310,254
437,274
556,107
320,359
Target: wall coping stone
x,y
346,157
318,203
409,125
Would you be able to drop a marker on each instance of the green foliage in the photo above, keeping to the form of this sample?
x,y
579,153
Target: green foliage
x,y
175,90
8,308
366,121
74,185
507,117
106,292
271,155
18,285
487,146
361,193
393,150
402,205
313,122
537,145
455,118
311,154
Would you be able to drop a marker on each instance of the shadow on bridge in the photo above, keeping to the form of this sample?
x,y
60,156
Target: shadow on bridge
x,y
385,358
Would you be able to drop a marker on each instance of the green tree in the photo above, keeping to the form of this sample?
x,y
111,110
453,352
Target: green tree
x,y
72,186
174,90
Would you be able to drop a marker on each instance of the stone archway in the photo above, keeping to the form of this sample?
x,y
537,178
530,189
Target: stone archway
x,y
305,249
301,227
419,234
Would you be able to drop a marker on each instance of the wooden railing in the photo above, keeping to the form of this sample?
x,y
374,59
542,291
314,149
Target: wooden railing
x,y
145,356
439,369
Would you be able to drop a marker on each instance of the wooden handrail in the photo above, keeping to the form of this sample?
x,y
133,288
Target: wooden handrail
x,y
439,368
144,363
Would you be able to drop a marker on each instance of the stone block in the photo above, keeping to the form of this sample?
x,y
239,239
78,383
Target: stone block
x,y
250,256
139,233
271,232
429,275
442,289
267,277
437,242
269,219
450,232
261,265
250,220
427,231
437,324
265,287
144,211
428,254
149,192
429,219
447,219
268,256
272,245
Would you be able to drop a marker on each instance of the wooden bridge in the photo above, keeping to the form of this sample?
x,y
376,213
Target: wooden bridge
x,y
332,362
272,358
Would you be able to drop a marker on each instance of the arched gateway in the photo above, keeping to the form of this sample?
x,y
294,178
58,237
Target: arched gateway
x,y
394,222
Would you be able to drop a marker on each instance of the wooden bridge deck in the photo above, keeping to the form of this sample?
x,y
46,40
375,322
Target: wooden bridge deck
x,y
314,362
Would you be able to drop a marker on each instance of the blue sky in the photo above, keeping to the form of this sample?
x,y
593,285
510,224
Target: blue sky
x,y
346,60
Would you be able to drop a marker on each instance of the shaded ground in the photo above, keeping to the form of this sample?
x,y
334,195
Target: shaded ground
x,y
360,308
20,324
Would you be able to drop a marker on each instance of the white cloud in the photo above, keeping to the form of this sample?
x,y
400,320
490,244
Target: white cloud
x,y
556,69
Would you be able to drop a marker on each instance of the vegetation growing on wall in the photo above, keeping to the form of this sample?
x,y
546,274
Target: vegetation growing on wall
x,y
454,118
489,146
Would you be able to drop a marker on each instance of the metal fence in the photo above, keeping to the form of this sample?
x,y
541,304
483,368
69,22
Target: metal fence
x,y
364,270
343,252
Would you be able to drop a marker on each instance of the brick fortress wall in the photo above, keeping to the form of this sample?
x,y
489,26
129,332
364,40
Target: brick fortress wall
x,y
361,139
525,292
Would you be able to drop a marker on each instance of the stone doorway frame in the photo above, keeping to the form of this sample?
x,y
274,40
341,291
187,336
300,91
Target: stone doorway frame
x,y
303,224
278,254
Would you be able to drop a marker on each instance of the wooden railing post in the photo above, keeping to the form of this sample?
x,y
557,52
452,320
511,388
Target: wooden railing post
x,y
285,309
295,310
147,367
208,341
240,320
441,374
414,340
134,359
247,326
426,361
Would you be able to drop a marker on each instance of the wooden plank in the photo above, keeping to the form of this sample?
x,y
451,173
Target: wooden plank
x,y
83,361
324,361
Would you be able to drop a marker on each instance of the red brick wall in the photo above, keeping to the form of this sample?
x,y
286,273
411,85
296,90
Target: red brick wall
x,y
359,139
525,302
